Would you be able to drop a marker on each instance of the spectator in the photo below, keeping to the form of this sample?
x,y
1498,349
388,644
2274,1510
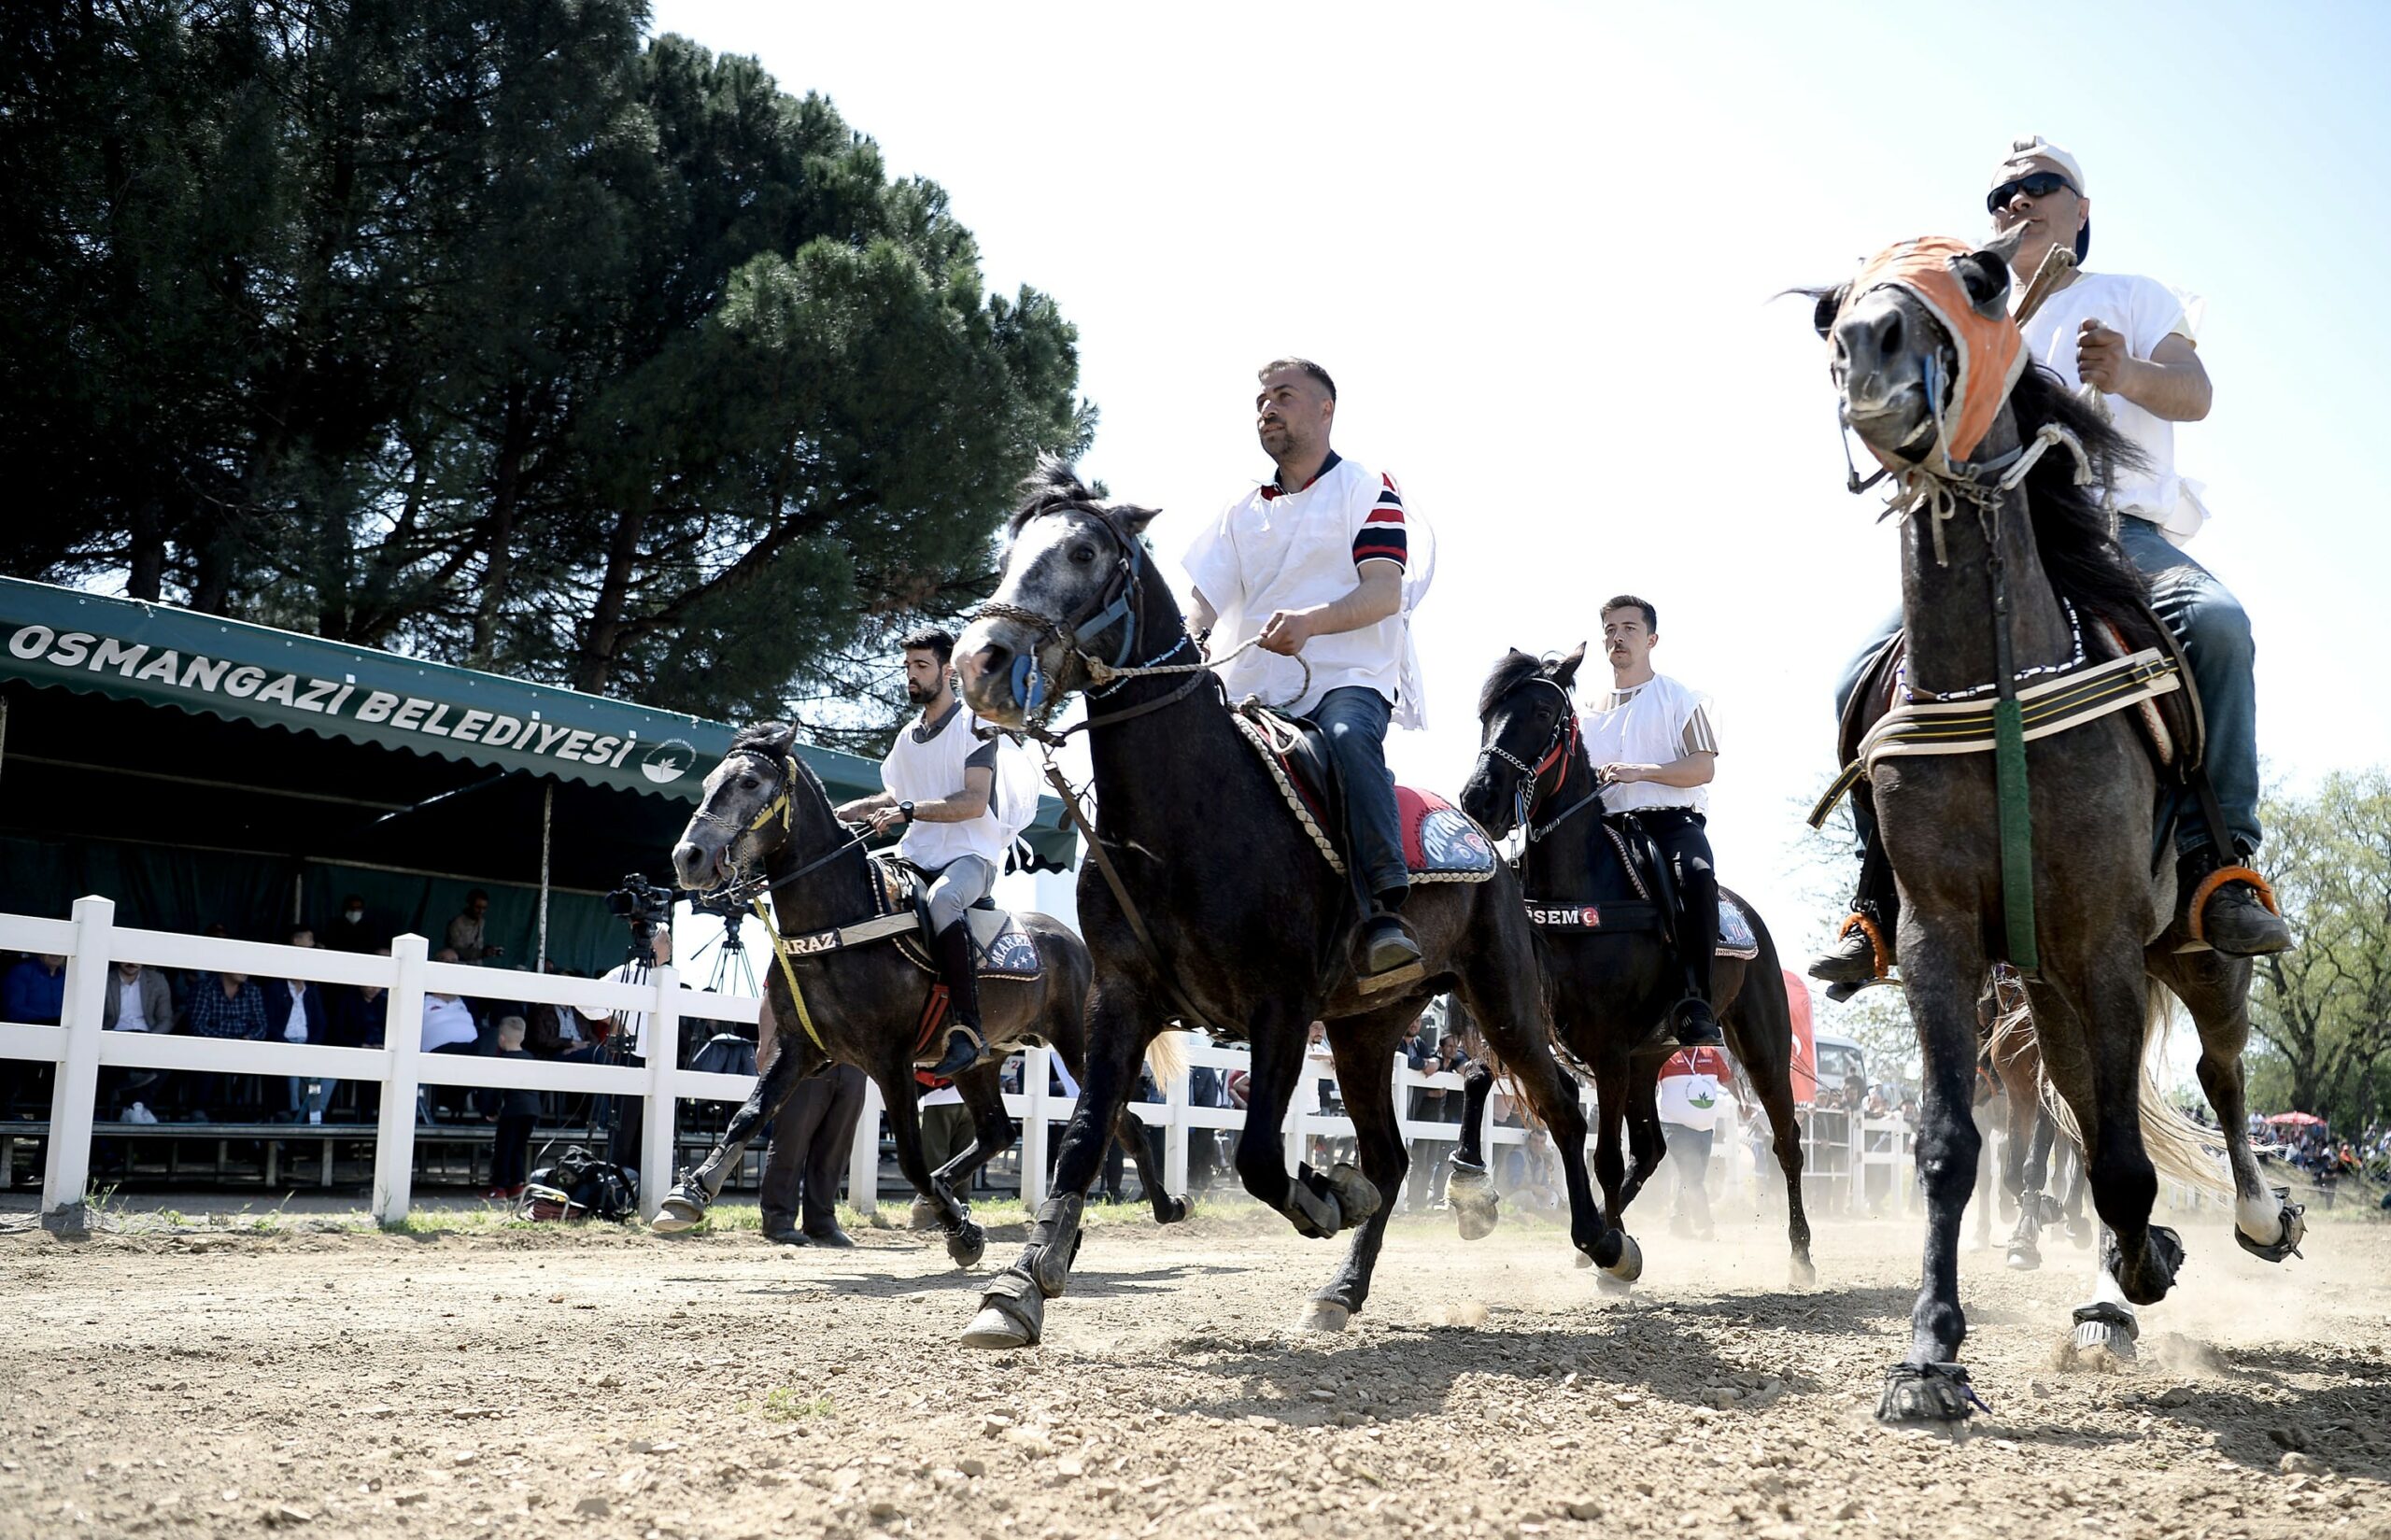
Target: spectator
x,y
466,936
36,992
295,1013
514,1112
946,1133
227,1006
137,1000
622,1036
448,1026
1424,1186
348,931
1690,1094
812,1135
1204,1164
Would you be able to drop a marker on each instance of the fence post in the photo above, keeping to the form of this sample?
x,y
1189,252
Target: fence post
x,y
67,1164
1033,1127
863,1157
403,1041
1174,1136
1300,1106
662,1043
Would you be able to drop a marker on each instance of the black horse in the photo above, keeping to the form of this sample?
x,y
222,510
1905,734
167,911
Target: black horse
x,y
1249,927
1612,991
2001,534
863,1005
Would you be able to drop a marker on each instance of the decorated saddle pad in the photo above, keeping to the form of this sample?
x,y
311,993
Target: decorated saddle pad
x,y
1005,950
1736,938
1440,843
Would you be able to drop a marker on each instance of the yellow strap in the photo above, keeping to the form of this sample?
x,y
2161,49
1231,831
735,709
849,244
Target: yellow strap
x,y
789,971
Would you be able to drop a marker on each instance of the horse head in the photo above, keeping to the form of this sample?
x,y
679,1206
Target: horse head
x,y
753,803
1925,353
1525,736
1075,577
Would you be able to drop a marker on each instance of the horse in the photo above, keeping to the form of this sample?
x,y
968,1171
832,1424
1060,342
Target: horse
x,y
2001,539
1230,919
1612,991
865,1004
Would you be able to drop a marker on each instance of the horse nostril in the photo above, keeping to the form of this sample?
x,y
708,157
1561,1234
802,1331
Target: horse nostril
x,y
1889,334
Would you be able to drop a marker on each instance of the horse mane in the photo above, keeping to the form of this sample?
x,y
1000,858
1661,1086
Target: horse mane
x,y
2075,532
1513,671
1056,485
774,739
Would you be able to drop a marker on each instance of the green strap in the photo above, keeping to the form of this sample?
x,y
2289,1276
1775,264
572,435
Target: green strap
x,y
2017,833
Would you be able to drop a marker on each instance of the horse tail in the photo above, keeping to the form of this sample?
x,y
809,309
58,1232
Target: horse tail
x,y
1166,1057
2180,1150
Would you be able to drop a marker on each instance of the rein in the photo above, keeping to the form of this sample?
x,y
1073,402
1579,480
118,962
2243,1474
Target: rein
x,y
1527,795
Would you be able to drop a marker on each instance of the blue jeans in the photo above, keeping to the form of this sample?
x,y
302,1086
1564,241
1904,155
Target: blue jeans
x,y
2215,631
1355,719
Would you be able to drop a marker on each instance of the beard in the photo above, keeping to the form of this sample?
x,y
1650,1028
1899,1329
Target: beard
x,y
919,693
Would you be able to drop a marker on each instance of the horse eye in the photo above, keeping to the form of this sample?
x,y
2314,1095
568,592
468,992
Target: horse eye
x,y
1083,554
748,783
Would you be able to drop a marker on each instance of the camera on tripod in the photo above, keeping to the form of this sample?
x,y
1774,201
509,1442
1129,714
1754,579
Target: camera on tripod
x,y
645,906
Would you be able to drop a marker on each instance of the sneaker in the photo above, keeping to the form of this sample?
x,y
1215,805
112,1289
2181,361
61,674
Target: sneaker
x,y
139,1113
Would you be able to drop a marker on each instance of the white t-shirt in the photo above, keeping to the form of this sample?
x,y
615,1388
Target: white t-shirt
x,y
927,772
1689,1088
2145,313
130,1017
1650,724
633,1023
1273,550
446,1020
294,1026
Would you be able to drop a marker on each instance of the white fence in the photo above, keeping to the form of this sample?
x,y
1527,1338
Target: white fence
x,y
93,944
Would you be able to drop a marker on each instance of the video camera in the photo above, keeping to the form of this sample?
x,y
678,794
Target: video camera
x,y
645,906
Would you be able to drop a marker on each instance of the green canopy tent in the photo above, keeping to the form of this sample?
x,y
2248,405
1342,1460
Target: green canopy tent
x,y
203,771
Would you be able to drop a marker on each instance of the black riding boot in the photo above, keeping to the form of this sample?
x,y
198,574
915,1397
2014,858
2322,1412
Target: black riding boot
x,y
2235,915
1386,943
958,971
1867,937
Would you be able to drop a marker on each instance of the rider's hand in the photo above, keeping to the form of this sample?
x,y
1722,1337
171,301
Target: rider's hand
x,y
2101,361
1286,632
1625,774
886,819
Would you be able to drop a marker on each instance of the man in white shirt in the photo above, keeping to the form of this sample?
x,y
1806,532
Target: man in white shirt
x,y
1314,563
941,781
2129,340
1652,742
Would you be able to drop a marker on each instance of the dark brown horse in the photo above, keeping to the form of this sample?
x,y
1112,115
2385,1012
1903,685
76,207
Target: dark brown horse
x,y
1997,527
764,807
1612,991
1250,927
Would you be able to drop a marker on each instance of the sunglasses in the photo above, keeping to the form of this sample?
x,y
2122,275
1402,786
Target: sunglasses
x,y
2037,184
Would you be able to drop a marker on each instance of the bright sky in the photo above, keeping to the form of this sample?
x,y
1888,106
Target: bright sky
x,y
1535,245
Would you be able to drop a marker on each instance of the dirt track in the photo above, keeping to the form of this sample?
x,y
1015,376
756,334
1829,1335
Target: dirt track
x,y
537,1383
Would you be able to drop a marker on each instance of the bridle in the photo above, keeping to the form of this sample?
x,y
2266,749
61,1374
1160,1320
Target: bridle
x,y
783,808
1116,605
1527,791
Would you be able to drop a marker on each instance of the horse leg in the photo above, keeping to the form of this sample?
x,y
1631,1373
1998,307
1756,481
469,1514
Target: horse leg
x,y
902,1094
992,1133
1013,1311
1945,965
2217,990
1610,1118
1362,1048
1470,1187
1509,1011
1761,1030
1316,1203
685,1206
2071,1185
2033,1173
2102,1080
1645,1144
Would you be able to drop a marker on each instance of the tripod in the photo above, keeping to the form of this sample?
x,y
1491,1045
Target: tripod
x,y
732,972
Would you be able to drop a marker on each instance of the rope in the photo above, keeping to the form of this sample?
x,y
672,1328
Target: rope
x,y
1245,719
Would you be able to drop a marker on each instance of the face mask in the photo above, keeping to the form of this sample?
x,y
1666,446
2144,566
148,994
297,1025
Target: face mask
x,y
355,914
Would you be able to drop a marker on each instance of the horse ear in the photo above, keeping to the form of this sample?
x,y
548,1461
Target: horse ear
x,y
1130,519
1564,673
1985,275
1829,305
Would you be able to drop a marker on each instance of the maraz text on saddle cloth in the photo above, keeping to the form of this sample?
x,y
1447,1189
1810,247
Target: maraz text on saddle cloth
x,y
1316,561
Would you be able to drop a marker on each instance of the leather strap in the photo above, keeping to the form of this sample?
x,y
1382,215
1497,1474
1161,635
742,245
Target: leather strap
x,y
1187,1011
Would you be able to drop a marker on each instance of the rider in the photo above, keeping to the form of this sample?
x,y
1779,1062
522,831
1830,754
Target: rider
x,y
941,789
1651,739
1312,562
2130,340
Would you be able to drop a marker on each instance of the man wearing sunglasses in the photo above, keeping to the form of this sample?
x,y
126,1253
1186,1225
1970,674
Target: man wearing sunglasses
x,y
2130,339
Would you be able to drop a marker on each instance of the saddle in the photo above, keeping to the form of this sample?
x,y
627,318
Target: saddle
x,y
1633,890
1000,945
2134,661
1440,843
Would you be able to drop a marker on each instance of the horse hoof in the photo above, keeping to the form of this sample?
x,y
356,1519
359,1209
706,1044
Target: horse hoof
x,y
1357,1196
1012,1314
1180,1209
1926,1393
2287,1242
1630,1266
1617,1288
681,1210
1323,1315
966,1243
2024,1258
1805,1273
2104,1339
1470,1190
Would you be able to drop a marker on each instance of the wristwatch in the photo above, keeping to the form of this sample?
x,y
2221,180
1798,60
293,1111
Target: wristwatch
x,y
907,808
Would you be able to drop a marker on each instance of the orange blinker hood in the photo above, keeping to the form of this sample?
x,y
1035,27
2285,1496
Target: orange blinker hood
x,y
1992,354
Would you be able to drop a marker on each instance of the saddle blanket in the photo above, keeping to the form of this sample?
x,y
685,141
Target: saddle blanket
x,y
1440,843
1004,949
1735,937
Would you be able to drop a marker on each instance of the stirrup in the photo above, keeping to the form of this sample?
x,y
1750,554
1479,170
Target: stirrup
x,y
974,1047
